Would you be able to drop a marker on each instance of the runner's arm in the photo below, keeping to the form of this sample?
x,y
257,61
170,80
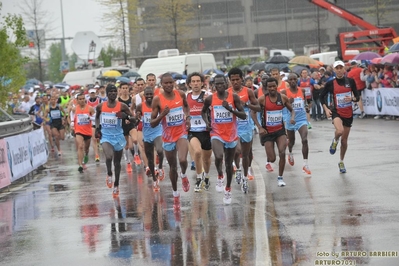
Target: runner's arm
x,y
288,105
239,111
253,102
98,113
155,118
205,111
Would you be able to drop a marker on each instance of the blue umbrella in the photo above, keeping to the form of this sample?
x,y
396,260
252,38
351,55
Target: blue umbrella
x,y
131,74
62,85
394,48
33,82
212,71
123,79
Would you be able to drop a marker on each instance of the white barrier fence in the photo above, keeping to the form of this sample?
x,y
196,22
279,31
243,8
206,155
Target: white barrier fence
x,y
21,154
381,101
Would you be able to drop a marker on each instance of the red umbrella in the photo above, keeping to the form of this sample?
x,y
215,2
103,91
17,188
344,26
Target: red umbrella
x,y
376,60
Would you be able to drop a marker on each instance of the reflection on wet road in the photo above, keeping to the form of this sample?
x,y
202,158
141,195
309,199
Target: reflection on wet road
x,y
67,218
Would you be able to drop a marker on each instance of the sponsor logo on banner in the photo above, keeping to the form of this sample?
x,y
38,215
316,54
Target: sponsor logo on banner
x,y
379,101
26,152
5,175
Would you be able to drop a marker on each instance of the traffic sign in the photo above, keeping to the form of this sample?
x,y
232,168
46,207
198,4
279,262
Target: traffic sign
x,y
64,67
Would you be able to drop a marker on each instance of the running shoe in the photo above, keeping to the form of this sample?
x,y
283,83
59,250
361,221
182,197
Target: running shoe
x,y
192,166
198,184
309,125
59,153
161,174
185,184
306,170
80,169
129,167
148,171
97,158
238,176
207,183
108,181
333,147
291,159
176,203
227,196
250,174
220,184
124,156
115,192
362,115
85,159
269,167
137,159
342,168
155,186
280,182
244,186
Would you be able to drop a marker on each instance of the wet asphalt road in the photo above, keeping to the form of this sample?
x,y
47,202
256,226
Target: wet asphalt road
x,y
66,218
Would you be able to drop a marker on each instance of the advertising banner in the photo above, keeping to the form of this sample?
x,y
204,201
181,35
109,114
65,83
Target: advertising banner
x,y
381,101
38,148
19,156
5,176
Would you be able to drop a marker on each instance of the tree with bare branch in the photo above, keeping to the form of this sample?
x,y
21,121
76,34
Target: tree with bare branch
x,y
120,20
173,16
39,22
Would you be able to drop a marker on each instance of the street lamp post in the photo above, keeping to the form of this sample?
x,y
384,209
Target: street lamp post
x,y
63,34
199,26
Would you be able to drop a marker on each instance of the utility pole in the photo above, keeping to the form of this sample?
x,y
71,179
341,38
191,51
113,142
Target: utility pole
x,y
63,34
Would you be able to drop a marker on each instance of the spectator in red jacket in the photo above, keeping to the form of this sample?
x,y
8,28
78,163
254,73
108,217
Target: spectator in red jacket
x,y
355,74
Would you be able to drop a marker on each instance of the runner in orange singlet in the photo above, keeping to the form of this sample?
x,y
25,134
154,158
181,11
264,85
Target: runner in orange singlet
x,y
224,107
81,124
171,107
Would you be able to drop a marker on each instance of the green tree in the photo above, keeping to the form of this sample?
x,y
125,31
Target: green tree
x,y
241,61
379,9
120,20
12,37
53,63
108,53
173,16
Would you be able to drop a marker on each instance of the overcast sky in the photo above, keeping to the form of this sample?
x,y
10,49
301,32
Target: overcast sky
x,y
79,15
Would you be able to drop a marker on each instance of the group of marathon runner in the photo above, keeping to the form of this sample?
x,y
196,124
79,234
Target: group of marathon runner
x,y
150,123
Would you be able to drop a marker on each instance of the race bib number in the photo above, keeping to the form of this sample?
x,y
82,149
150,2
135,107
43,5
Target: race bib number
x,y
222,115
274,118
340,97
83,119
175,117
246,120
55,114
197,123
297,105
109,120
308,91
147,119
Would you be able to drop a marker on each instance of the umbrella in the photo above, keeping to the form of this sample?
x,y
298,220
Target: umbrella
x,y
279,66
123,79
298,69
278,59
391,59
394,48
376,61
131,74
366,56
111,74
33,82
62,85
303,60
257,66
212,71
245,67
